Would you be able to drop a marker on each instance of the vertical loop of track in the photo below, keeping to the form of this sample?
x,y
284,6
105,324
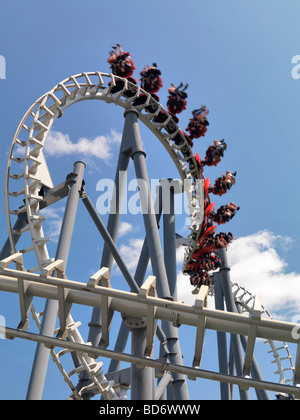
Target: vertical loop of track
x,y
33,166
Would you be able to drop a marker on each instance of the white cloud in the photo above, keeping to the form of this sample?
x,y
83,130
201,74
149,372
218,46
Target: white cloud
x,y
184,288
131,252
125,228
101,147
257,266
54,217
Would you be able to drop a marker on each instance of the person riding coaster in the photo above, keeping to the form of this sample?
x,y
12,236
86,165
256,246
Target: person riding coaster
x,y
199,277
150,79
211,244
177,99
223,184
197,126
207,262
151,82
224,213
214,153
120,62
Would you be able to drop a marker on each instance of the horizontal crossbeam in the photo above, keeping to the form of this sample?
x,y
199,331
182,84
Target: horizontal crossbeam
x,y
135,305
95,352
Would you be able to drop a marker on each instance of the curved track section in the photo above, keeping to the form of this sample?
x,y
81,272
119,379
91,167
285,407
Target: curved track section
x,y
27,163
280,351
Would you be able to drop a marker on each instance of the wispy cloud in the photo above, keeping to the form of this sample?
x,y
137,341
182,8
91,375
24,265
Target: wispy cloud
x,y
256,265
125,228
54,217
102,147
131,252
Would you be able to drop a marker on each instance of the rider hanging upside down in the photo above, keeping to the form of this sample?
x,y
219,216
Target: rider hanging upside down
x,y
214,153
225,213
223,239
120,62
177,99
151,81
223,184
198,124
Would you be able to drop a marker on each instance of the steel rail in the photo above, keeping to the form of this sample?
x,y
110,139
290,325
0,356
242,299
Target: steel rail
x,y
192,373
135,305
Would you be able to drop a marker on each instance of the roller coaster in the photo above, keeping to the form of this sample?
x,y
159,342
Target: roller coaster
x,y
150,311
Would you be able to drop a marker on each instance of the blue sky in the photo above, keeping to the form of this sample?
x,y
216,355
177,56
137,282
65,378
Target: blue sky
x,y
237,59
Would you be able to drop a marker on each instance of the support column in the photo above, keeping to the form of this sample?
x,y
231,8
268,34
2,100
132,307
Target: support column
x,y
139,278
221,339
170,237
40,365
51,196
142,380
158,266
230,305
112,228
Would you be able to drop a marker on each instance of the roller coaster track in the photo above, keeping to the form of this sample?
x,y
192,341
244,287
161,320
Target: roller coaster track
x,y
279,350
27,174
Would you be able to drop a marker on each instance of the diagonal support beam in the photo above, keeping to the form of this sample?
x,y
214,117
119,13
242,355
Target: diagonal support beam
x,y
109,241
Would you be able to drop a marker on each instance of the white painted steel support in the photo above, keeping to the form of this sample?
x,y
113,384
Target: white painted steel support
x,y
132,305
25,300
148,289
36,124
255,371
200,303
255,318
